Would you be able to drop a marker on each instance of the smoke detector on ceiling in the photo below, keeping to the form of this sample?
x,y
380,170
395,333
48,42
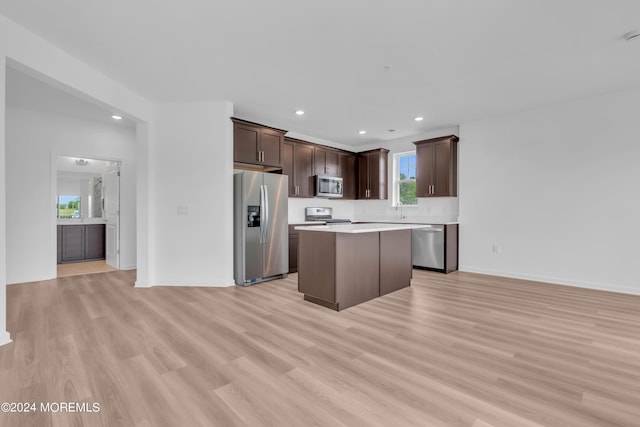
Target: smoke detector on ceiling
x,y
82,162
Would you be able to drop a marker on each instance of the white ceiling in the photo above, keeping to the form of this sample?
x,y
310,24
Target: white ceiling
x,y
450,61
25,91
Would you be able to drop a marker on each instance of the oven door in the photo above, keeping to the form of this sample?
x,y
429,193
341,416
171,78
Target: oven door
x,y
328,186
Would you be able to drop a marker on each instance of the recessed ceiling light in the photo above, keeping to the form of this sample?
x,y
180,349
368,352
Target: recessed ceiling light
x,y
631,35
116,117
362,132
419,119
299,112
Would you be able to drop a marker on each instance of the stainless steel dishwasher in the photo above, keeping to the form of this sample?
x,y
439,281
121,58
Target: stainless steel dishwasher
x,y
427,246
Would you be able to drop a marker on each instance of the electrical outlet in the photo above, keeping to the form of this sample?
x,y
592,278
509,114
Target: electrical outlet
x,y
496,248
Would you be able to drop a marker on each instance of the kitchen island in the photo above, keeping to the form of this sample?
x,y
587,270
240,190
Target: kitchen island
x,y
340,266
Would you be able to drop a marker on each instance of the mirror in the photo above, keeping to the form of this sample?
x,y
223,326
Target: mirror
x,y
80,188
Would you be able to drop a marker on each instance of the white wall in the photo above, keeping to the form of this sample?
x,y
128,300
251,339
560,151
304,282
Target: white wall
x,y
193,194
4,335
33,139
440,209
558,189
22,48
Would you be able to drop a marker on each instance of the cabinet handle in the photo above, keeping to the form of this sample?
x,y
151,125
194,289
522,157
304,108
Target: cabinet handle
x,y
262,156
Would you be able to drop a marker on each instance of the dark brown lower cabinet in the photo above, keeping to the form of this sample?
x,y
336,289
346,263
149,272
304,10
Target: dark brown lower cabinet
x,y
293,249
82,242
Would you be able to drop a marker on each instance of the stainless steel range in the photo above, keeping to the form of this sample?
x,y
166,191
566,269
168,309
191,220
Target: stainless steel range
x,y
323,215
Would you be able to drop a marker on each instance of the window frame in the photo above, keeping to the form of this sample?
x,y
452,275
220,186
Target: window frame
x,y
396,177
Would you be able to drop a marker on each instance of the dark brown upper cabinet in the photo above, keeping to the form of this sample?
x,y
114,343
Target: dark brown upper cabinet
x,y
327,161
372,174
437,167
298,166
257,145
349,174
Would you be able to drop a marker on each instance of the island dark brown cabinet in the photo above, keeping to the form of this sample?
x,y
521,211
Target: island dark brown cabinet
x,y
81,242
298,166
257,145
437,167
372,174
341,266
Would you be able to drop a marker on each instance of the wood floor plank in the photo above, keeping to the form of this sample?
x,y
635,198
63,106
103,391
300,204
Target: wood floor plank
x,y
451,350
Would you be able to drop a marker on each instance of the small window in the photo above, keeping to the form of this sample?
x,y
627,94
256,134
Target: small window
x,y
68,206
405,179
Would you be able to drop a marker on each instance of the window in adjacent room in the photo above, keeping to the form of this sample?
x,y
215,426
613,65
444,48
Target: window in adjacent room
x,y
405,179
68,206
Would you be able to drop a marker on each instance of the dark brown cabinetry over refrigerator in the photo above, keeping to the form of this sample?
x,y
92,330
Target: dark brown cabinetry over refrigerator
x,y
298,166
437,167
254,144
372,174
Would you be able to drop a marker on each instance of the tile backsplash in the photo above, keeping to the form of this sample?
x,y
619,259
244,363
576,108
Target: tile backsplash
x,y
437,209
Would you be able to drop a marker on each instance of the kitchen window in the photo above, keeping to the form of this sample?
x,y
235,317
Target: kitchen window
x,y
404,179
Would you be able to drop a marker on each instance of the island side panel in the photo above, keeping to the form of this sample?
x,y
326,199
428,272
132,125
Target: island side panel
x,y
395,260
451,248
317,265
357,268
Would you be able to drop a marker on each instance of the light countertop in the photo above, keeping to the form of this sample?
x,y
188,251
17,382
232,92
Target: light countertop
x,y
405,221
86,221
359,228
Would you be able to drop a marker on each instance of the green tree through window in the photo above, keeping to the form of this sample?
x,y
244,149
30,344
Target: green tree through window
x,y
406,179
68,207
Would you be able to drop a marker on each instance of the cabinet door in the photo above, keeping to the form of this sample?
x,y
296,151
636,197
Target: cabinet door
x,y
288,165
320,161
72,243
303,170
246,143
94,241
445,169
59,243
349,176
363,177
332,162
376,181
271,145
424,169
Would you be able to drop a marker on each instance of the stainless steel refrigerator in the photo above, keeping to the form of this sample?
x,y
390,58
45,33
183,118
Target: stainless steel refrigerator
x,y
261,235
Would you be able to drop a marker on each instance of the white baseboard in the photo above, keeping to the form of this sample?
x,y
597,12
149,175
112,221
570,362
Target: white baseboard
x,y
129,267
5,338
554,280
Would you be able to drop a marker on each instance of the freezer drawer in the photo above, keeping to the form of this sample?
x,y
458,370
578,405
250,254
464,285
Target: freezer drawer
x,y
427,246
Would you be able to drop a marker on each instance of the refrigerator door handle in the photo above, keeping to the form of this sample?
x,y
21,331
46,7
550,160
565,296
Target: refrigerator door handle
x,y
262,215
266,213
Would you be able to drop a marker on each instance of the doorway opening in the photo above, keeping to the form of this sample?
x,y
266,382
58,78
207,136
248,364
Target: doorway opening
x,y
87,206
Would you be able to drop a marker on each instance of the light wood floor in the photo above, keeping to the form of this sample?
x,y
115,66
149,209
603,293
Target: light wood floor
x,y
78,268
452,350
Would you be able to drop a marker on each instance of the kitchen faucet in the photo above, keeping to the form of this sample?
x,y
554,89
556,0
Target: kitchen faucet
x,y
399,204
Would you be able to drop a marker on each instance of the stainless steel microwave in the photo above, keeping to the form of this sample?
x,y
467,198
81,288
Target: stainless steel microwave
x,y
328,186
